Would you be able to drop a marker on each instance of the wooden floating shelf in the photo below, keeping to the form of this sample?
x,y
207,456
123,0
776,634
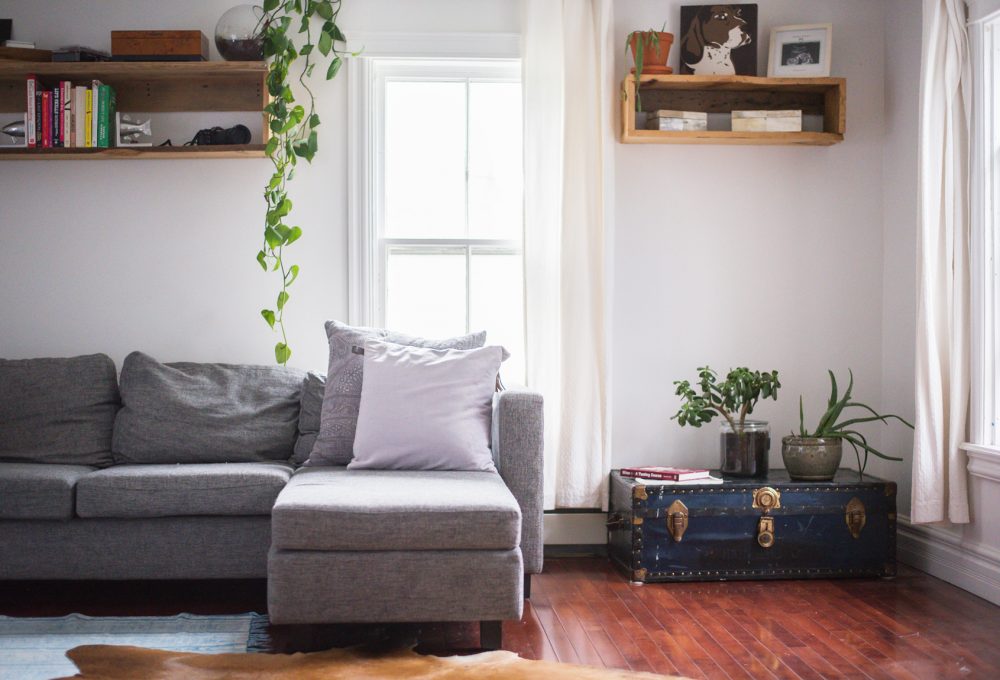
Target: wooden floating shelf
x,y
139,152
148,87
723,94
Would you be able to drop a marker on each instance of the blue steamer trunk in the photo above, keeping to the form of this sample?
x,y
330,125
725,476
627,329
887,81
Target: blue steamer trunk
x,y
771,528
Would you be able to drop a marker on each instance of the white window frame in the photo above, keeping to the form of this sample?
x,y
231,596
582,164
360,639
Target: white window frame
x,y
984,40
496,56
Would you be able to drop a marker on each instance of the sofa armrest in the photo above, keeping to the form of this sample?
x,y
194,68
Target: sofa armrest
x,y
517,448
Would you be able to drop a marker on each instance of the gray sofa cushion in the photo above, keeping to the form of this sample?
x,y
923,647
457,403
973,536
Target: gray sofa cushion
x,y
333,508
58,410
342,395
182,490
205,413
38,490
310,406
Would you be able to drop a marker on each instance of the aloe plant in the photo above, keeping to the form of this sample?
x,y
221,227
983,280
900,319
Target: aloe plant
x,y
831,425
733,398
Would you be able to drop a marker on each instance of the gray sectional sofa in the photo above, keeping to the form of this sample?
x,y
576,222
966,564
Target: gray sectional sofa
x,y
191,471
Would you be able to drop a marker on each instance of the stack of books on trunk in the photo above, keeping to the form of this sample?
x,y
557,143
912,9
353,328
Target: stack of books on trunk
x,y
671,475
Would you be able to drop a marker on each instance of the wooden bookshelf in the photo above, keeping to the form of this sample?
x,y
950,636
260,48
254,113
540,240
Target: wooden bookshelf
x,y
153,87
826,97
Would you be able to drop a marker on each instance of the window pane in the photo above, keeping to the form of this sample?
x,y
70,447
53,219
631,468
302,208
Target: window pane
x,y
425,293
495,166
497,305
425,159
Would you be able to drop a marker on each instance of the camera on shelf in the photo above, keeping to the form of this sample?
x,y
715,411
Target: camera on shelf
x,y
238,134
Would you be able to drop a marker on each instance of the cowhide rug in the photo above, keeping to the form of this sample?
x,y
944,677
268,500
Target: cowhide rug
x,y
109,662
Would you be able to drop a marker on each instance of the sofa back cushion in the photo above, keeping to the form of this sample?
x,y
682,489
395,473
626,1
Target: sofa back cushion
x,y
59,411
344,376
310,406
205,413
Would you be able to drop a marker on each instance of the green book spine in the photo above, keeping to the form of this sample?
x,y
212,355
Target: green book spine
x,y
105,95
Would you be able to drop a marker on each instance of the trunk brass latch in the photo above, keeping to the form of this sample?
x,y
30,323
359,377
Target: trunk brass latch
x,y
766,499
677,520
765,532
855,517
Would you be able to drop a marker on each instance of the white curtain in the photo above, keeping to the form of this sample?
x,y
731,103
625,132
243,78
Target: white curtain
x,y
569,97
943,336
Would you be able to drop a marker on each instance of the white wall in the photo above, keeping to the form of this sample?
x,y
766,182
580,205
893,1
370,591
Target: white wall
x,y
769,257
159,255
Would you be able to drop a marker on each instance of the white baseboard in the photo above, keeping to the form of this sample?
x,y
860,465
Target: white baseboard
x,y
941,553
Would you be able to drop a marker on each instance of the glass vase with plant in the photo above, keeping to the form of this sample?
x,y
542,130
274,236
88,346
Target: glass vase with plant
x,y
744,444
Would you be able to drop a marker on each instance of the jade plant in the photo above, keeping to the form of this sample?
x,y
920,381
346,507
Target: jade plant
x,y
293,127
835,424
733,398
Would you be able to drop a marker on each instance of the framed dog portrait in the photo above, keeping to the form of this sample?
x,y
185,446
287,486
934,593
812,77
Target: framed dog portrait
x,y
800,51
719,40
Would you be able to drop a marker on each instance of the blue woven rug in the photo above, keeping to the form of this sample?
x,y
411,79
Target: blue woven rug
x,y
33,648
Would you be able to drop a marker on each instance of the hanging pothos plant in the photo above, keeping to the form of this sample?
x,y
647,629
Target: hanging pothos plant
x,y
293,127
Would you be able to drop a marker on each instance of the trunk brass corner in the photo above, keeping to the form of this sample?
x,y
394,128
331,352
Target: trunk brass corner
x,y
639,493
855,517
677,520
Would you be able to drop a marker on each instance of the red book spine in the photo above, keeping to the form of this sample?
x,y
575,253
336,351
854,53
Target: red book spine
x,y
639,474
46,120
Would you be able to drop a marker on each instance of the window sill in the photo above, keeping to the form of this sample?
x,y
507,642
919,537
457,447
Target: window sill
x,y
984,461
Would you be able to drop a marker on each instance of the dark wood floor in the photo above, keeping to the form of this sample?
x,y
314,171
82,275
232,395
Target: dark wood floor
x,y
583,611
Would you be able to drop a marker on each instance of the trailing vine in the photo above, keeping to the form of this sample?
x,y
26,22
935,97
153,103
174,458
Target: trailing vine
x,y
293,128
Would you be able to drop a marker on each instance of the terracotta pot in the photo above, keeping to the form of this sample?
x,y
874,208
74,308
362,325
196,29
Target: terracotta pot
x,y
812,459
654,57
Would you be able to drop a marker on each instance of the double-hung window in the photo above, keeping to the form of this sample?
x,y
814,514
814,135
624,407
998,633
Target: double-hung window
x,y
439,220
985,213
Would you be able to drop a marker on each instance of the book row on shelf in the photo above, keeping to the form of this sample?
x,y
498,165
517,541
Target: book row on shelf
x,y
69,115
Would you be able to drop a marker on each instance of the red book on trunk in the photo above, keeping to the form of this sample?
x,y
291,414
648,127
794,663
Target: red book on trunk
x,y
671,474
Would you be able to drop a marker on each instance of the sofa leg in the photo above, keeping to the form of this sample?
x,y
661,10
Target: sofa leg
x,y
527,586
490,634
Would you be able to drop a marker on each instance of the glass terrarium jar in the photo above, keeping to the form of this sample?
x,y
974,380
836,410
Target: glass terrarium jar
x,y
744,450
239,35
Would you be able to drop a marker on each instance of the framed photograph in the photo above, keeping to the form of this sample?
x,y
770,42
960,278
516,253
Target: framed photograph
x,y
800,51
719,40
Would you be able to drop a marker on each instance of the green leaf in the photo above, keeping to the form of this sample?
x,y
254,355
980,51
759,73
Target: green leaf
x,y
270,5
261,260
337,34
282,353
293,235
272,237
325,43
282,299
334,67
268,317
293,273
314,120
306,49
325,10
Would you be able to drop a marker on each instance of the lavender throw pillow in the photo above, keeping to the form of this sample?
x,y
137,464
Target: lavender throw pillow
x,y
342,393
426,409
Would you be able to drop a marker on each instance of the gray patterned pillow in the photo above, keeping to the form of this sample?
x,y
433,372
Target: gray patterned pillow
x,y
342,395
310,406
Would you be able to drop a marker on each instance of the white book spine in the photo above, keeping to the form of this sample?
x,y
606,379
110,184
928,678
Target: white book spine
x,y
67,113
80,105
95,89
32,138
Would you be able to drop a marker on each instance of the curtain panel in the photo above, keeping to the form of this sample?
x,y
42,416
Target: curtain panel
x,y
943,384
569,95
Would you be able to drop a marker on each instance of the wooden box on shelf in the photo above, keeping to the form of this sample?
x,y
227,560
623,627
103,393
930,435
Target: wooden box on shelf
x,y
826,97
149,87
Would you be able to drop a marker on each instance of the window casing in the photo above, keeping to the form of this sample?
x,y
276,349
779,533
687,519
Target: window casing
x,y
984,33
437,217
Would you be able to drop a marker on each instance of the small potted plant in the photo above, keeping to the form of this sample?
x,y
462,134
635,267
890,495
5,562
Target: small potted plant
x,y
815,456
650,51
744,444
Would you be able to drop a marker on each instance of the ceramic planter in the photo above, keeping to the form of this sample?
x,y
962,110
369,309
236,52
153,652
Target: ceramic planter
x,y
812,459
654,56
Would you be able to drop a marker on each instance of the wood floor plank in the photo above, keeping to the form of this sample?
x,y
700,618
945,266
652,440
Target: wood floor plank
x,y
583,610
